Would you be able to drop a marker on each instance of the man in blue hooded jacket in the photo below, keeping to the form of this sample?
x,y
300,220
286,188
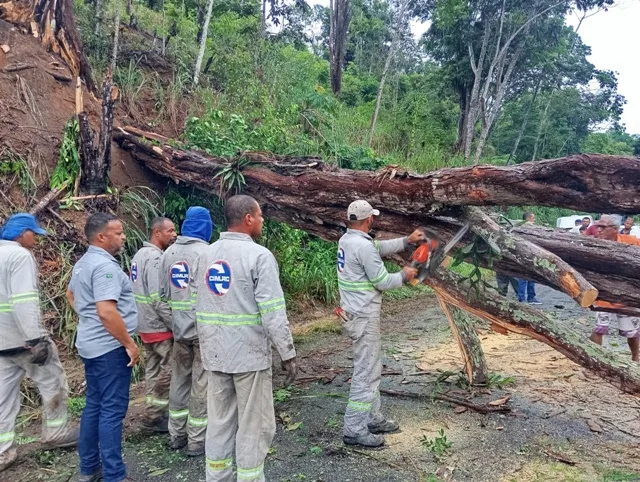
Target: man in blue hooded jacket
x,y
178,285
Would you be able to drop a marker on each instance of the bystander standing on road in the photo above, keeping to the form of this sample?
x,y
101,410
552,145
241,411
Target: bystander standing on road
x,y
526,288
628,326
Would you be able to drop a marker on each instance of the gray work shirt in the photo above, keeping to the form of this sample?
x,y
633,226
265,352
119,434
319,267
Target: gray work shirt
x,y
362,276
240,306
97,276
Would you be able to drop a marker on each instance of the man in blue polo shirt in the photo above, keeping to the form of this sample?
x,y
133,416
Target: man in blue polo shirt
x,y
101,294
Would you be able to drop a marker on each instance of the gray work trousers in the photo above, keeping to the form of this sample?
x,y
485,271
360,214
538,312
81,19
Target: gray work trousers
x,y
241,413
52,385
188,393
157,377
363,406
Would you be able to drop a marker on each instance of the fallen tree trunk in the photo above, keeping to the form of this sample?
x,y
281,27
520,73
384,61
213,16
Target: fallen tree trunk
x,y
290,189
596,183
305,193
546,265
520,318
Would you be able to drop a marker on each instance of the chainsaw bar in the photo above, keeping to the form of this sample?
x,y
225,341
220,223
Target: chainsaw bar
x,y
438,256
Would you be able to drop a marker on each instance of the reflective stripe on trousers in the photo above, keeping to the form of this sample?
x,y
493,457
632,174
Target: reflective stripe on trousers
x,y
241,414
157,377
52,385
188,393
363,406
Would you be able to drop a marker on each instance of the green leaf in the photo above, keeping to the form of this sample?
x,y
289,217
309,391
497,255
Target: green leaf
x,y
467,249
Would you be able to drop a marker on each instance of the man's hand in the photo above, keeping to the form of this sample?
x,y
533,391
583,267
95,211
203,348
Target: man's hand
x,y
40,352
409,273
417,237
134,354
290,366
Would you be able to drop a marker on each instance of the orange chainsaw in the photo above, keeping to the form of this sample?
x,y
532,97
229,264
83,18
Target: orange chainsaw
x,y
430,254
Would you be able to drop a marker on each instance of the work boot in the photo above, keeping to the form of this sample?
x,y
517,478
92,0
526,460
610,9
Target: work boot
x,y
160,425
95,477
177,443
7,458
367,440
386,426
195,449
69,439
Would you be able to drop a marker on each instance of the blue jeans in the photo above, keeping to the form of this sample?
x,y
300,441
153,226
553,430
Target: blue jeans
x,y
100,444
526,290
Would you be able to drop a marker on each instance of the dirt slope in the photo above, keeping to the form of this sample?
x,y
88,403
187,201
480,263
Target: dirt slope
x,y
34,108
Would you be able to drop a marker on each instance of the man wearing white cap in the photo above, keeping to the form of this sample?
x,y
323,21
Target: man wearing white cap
x,y
362,277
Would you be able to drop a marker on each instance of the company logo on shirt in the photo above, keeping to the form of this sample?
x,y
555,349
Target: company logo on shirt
x,y
134,271
340,260
179,275
218,277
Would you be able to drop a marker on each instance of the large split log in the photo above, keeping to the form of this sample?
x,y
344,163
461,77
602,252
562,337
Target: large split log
x,y
291,190
520,318
595,183
546,265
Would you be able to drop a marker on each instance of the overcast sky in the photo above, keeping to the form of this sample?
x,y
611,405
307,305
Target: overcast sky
x,y
614,38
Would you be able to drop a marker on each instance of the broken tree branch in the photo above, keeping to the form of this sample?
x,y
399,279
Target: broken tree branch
x,y
463,329
522,319
546,265
449,399
48,199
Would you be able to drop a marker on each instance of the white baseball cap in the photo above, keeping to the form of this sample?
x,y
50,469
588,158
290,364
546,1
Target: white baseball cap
x,y
359,210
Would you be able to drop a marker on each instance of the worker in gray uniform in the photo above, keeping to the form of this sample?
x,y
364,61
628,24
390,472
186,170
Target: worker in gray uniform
x,y
362,277
154,322
241,312
178,284
25,345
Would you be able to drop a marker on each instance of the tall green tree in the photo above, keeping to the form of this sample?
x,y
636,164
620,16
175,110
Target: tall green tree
x,y
489,46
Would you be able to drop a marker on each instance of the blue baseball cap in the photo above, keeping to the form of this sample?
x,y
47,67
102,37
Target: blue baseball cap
x,y
18,224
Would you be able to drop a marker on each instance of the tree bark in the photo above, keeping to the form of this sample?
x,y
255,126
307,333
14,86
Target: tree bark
x,y
97,18
523,126
54,24
116,38
518,318
95,162
544,264
203,43
305,193
464,331
586,182
48,199
339,16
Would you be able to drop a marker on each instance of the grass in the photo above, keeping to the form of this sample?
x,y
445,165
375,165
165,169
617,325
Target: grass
x,y
618,475
302,333
131,81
